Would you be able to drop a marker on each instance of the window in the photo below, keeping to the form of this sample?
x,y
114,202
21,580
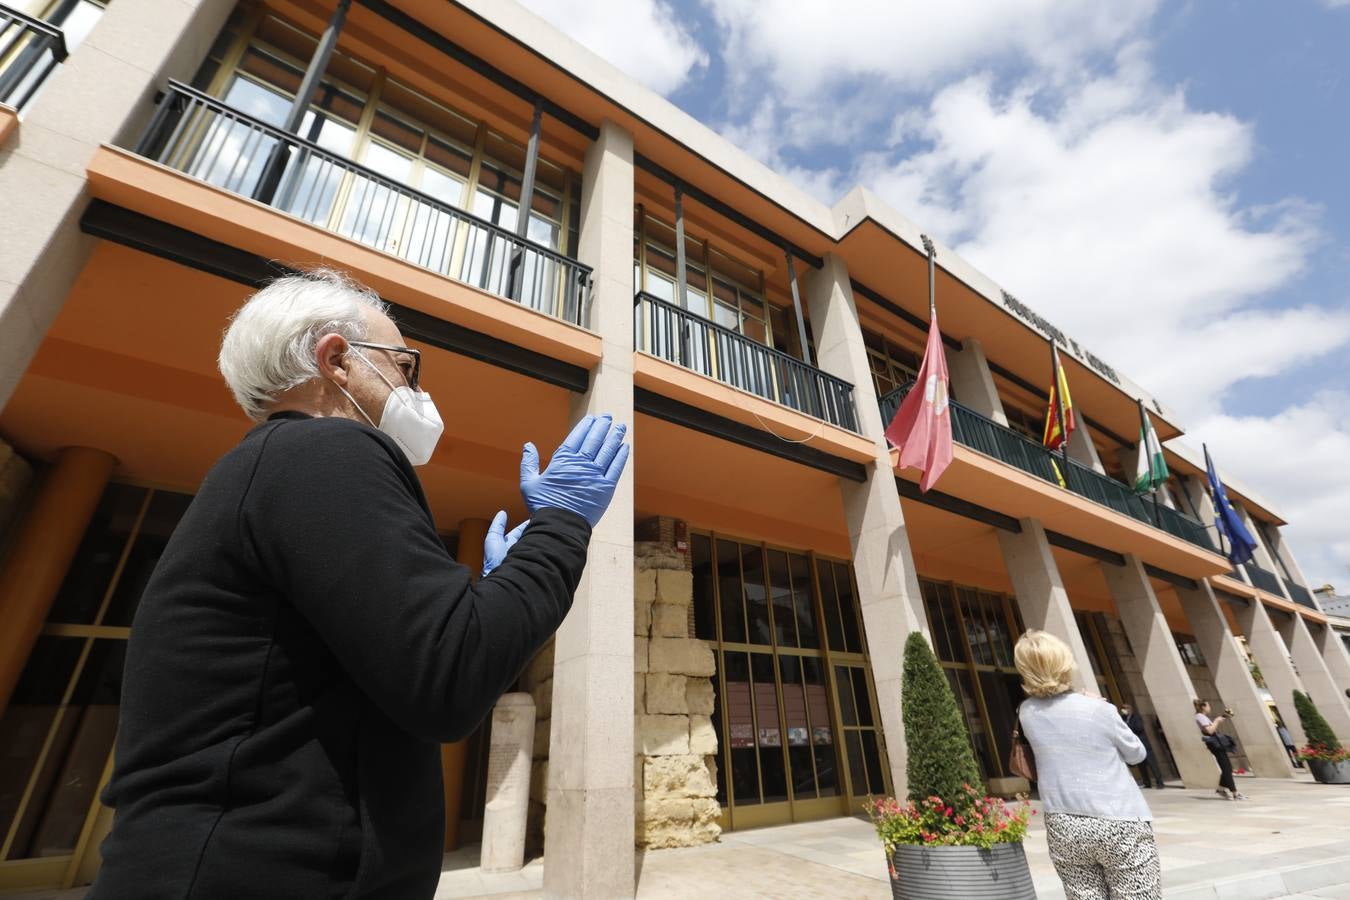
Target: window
x,y
1190,652
891,364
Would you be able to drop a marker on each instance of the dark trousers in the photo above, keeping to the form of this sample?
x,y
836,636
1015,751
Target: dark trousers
x,y
1225,766
1149,765
1293,756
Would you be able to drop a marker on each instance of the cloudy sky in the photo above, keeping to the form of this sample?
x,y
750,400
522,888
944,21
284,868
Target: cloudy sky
x,y
1165,180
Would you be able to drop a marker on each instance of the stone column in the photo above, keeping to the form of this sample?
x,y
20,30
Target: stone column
x,y
508,784
1280,548
1234,682
1317,678
1261,556
47,540
1169,685
888,585
1272,657
1083,450
101,93
588,825
973,382
1041,596
1333,652
469,552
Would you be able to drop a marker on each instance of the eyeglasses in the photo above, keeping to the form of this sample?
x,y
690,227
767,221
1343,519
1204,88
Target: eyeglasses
x,y
412,371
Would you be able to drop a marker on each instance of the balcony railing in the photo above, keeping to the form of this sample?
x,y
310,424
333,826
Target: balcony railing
x,y
1302,596
679,336
29,50
1266,581
1002,443
200,136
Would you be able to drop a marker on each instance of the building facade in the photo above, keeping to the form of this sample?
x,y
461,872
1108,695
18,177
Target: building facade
x,y
764,559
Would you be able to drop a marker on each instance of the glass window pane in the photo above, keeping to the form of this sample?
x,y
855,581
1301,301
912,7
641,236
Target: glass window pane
x,y
756,598
876,780
397,132
800,757
848,612
848,709
449,156
829,599
741,730
861,695
730,595
770,733
822,727
90,573
705,609
780,588
803,601
161,518
857,768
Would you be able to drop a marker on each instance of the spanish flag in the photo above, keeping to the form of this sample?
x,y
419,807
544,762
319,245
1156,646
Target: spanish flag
x,y
1060,406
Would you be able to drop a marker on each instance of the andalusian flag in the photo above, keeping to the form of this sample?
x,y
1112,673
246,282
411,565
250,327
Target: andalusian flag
x,y
1059,421
1151,469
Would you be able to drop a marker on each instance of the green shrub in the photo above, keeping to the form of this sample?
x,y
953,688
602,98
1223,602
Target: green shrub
x,y
1315,728
939,759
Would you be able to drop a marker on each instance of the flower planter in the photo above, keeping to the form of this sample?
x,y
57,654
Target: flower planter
x,y
941,873
1330,772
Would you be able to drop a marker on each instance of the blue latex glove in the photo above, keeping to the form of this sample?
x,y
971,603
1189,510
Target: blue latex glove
x,y
583,472
499,541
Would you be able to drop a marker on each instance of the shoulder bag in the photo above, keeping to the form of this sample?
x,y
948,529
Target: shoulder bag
x,y
1021,761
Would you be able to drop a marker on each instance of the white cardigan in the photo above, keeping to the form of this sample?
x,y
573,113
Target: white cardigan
x,y
1082,752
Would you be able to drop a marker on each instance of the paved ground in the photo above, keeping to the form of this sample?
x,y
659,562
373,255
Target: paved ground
x,y
1211,850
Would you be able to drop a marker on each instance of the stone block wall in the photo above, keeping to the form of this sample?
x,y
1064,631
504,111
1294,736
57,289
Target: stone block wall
x,y
675,769
537,679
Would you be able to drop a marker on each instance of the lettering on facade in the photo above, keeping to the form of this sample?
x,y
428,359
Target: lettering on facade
x,y
1034,319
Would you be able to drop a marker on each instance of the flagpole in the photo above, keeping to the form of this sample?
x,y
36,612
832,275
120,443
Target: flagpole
x,y
1144,448
1059,408
1213,499
932,276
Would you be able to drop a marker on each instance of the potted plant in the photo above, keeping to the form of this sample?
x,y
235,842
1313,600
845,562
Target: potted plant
x,y
947,839
1328,761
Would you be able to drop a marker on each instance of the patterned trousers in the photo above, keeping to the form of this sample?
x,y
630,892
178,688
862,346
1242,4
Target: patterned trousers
x,y
1104,859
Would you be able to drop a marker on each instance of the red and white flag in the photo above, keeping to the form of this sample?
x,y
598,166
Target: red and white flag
x,y
922,427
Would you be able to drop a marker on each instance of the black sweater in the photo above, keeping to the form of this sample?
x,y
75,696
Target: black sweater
x,y
302,646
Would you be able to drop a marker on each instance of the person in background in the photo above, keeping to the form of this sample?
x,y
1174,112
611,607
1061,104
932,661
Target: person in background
x,y
1209,731
1288,740
1135,723
1097,823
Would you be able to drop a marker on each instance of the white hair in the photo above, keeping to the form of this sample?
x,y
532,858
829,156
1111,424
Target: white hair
x,y
269,345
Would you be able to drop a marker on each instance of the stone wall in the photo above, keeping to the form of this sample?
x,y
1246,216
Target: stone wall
x,y
675,769
537,680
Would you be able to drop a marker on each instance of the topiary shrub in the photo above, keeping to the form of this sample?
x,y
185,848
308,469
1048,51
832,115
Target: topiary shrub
x,y
940,761
1315,728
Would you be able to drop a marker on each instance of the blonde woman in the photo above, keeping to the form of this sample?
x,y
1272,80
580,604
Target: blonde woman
x,y
1097,823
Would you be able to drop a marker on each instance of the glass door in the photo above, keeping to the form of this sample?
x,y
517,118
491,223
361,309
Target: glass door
x,y
57,734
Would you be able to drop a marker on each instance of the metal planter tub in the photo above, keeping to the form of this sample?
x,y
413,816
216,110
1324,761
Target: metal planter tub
x,y
1330,772
941,873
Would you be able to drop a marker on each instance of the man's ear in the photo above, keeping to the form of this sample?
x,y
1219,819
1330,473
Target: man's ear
x,y
330,353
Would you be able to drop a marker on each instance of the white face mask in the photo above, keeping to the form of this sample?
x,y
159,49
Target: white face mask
x,y
409,417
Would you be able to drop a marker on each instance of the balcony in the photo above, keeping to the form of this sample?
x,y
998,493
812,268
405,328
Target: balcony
x,y
29,50
1002,443
1260,578
207,140
1301,595
676,335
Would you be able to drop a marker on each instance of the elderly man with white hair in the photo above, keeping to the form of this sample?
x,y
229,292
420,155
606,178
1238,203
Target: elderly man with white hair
x,y
306,641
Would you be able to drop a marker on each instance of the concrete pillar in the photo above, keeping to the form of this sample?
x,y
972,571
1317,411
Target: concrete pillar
x,y
1233,679
101,93
454,757
1041,596
1334,654
1083,450
1279,547
508,784
1272,657
888,585
588,830
1317,678
37,562
1169,685
1261,556
973,381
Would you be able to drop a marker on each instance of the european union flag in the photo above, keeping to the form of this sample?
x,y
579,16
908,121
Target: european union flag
x,y
1241,544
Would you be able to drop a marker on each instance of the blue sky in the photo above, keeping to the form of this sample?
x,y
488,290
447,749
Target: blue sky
x,y
1164,180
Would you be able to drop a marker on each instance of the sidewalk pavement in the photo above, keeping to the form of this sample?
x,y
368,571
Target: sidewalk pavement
x,y
1291,841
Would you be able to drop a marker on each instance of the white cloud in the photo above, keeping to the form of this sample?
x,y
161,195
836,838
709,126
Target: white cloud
x,y
1336,4
1293,459
807,46
640,37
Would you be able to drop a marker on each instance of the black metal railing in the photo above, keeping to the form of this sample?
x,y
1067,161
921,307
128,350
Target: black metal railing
x,y
29,50
1006,445
200,136
682,337
1301,595
1266,581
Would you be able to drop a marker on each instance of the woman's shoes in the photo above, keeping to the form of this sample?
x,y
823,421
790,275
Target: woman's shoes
x,y
1224,793
1237,796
